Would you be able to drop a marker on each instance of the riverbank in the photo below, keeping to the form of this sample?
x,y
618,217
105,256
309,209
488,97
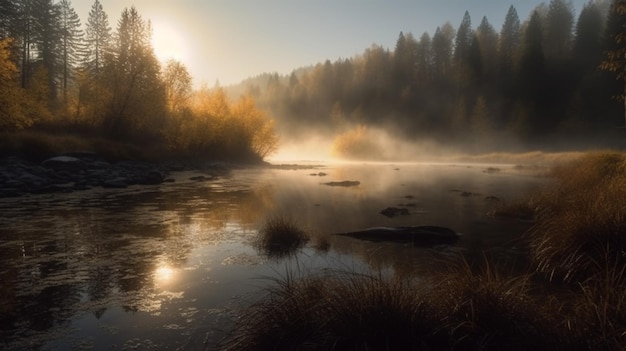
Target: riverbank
x,y
77,171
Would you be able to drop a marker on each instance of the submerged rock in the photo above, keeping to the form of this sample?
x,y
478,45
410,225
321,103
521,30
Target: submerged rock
x,y
417,235
394,211
345,183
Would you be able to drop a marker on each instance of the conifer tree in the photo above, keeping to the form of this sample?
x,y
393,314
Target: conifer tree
x,y
72,47
97,38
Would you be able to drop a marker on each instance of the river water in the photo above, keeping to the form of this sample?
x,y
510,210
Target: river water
x,y
168,266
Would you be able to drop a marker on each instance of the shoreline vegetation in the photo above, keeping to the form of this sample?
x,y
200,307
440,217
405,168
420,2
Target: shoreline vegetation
x,y
567,294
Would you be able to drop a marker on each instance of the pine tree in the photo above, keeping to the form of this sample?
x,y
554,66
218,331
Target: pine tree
x,y
72,48
462,47
508,47
558,31
47,39
97,38
8,17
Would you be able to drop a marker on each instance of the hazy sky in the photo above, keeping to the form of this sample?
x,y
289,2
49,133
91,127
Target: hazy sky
x,y
230,40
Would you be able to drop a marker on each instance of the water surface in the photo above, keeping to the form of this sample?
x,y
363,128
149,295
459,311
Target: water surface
x,y
167,267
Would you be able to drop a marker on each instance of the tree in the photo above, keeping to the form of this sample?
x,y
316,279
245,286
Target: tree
x,y
462,47
133,80
25,28
532,67
424,60
488,44
558,31
72,48
12,99
47,39
8,17
587,45
508,45
442,49
615,60
178,87
97,38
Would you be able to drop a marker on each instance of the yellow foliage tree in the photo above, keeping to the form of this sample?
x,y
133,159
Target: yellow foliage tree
x,y
257,127
212,124
357,143
17,110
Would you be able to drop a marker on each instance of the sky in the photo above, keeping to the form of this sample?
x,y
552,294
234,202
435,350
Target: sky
x,y
227,41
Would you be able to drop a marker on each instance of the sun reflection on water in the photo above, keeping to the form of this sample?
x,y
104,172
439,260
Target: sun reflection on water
x,y
164,275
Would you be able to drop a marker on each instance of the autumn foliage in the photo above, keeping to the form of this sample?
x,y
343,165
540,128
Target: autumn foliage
x,y
95,84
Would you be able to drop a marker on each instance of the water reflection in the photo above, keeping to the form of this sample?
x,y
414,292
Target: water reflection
x,y
161,265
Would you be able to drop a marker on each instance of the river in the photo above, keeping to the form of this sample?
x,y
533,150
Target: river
x,y
169,266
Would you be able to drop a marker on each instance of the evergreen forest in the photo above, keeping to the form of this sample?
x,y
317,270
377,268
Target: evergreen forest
x,y
548,81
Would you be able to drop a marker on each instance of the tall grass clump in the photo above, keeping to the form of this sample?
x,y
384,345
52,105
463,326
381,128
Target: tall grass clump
x,y
595,314
485,306
464,307
581,219
338,311
280,236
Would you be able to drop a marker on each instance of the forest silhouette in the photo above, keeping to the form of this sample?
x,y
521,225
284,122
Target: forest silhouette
x,y
545,82
535,83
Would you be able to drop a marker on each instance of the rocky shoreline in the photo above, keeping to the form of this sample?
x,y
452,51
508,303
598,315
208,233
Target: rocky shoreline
x,y
80,171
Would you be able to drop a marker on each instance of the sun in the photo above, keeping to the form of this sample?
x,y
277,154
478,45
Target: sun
x,y
168,42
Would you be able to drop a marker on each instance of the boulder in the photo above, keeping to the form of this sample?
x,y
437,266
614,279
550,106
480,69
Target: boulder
x,y
417,235
63,163
394,211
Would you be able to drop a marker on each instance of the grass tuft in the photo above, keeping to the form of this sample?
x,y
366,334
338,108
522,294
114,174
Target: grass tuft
x,y
280,236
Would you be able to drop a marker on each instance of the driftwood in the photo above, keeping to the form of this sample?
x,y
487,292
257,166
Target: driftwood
x,y
417,235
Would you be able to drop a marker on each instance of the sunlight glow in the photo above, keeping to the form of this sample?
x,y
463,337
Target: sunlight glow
x,y
168,42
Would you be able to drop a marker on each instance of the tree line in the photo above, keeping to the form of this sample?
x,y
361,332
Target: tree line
x,y
57,74
536,80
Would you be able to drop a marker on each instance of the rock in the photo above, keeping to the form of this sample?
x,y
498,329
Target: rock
x,y
152,177
63,163
201,178
417,235
394,211
345,183
117,183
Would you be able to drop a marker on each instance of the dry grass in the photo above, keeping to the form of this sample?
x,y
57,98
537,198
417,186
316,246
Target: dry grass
x,y
534,158
337,311
488,307
280,236
581,219
463,308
